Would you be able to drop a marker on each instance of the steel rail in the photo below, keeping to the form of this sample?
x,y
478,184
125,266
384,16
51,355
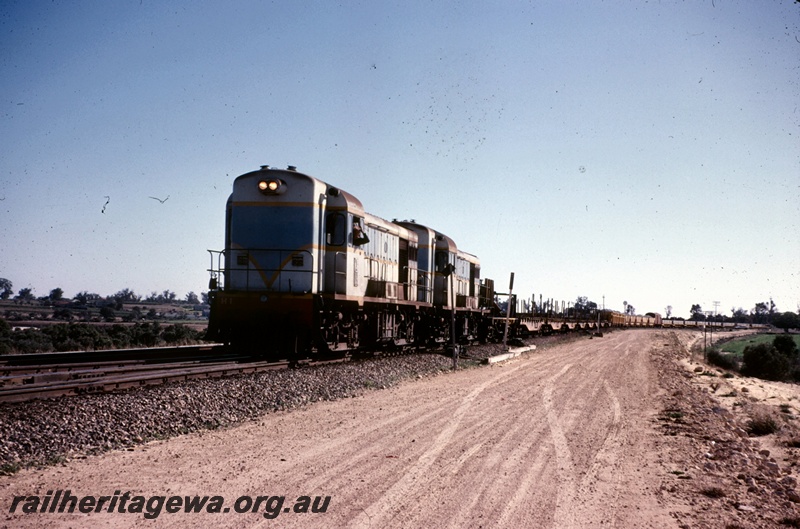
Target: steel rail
x,y
81,373
147,354
120,380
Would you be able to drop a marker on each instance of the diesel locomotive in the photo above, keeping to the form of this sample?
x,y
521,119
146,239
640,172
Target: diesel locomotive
x,y
307,271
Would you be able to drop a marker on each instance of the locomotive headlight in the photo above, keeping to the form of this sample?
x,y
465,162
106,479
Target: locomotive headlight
x,y
273,186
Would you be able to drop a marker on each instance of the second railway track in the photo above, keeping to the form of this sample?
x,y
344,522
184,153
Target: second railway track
x,y
48,375
53,375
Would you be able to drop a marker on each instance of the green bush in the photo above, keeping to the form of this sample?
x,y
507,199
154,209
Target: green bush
x,y
5,337
86,337
722,360
146,335
786,346
77,337
765,361
120,335
30,341
179,335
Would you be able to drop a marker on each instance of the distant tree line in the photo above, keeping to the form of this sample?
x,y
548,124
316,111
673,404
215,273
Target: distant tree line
x,y
125,295
582,307
762,313
85,306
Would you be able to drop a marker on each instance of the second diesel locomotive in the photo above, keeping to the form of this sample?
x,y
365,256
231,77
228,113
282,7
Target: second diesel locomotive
x,y
307,270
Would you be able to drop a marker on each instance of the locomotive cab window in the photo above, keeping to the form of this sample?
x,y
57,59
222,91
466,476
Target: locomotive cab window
x,y
335,229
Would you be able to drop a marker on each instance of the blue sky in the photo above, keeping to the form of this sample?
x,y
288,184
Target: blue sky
x,y
643,151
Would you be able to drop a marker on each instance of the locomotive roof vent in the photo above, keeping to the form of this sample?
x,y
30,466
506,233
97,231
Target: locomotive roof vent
x,y
264,167
291,168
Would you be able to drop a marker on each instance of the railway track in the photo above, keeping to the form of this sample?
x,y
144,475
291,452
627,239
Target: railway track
x,y
52,375
49,375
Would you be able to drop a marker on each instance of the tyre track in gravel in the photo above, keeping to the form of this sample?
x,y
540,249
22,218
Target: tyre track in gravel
x,y
414,479
580,400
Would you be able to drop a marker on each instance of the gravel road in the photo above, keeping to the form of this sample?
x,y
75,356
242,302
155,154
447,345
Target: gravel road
x,y
568,437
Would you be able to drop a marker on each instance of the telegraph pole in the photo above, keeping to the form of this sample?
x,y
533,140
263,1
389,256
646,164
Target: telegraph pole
x,y
716,306
508,309
451,298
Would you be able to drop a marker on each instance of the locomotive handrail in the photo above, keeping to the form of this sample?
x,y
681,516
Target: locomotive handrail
x,y
423,291
425,287
370,275
219,271
265,274
338,273
263,277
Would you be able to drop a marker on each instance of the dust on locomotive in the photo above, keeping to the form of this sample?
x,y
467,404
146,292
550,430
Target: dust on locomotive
x,y
306,270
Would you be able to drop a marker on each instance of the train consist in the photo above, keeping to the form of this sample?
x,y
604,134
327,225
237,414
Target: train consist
x,y
306,270
545,324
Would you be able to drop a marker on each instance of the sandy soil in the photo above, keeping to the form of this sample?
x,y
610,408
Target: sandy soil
x,y
567,437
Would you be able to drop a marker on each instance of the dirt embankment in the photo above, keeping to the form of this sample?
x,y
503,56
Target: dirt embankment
x,y
604,432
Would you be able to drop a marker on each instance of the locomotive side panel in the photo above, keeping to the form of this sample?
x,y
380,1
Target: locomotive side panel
x,y
391,261
468,280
